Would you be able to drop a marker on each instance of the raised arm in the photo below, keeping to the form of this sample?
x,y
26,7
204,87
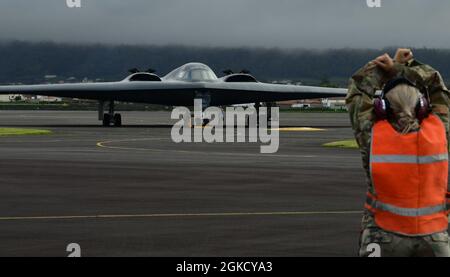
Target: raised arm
x,y
361,91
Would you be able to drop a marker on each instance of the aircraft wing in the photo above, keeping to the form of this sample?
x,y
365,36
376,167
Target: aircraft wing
x,y
175,93
238,93
139,92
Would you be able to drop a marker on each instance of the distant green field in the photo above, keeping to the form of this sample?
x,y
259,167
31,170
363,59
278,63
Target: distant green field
x,y
351,143
22,132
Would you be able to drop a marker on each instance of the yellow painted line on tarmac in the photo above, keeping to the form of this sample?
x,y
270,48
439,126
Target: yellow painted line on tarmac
x,y
298,129
188,215
104,145
285,129
281,129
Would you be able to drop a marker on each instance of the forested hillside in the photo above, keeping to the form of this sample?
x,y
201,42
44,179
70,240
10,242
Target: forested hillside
x,y
29,62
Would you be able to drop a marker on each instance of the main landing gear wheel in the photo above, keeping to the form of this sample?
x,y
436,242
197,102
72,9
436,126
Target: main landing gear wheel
x,y
106,120
115,120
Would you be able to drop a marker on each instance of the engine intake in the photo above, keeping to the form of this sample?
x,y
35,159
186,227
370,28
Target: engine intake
x,y
144,77
240,78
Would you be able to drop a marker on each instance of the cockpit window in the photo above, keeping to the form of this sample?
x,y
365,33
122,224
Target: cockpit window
x,y
201,75
192,72
144,77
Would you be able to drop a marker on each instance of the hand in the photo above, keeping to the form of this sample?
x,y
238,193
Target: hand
x,y
403,55
386,63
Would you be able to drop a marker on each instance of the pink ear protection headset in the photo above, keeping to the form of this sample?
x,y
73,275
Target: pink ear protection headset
x,y
382,106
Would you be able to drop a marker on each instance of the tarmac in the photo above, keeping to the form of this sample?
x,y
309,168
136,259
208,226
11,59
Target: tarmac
x,y
132,191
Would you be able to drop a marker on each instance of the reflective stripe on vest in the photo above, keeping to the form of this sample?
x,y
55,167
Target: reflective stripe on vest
x,y
409,176
410,159
405,211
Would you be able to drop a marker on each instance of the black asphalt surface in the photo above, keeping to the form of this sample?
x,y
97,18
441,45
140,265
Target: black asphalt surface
x,y
131,191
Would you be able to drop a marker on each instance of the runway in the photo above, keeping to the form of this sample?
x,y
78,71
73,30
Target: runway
x,y
131,191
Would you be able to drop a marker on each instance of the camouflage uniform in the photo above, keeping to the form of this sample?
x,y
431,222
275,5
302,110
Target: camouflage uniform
x,y
362,88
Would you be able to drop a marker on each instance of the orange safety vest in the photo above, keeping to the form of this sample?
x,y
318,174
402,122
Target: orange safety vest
x,y
409,176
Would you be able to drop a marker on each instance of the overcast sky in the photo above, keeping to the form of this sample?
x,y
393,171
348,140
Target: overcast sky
x,y
261,23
